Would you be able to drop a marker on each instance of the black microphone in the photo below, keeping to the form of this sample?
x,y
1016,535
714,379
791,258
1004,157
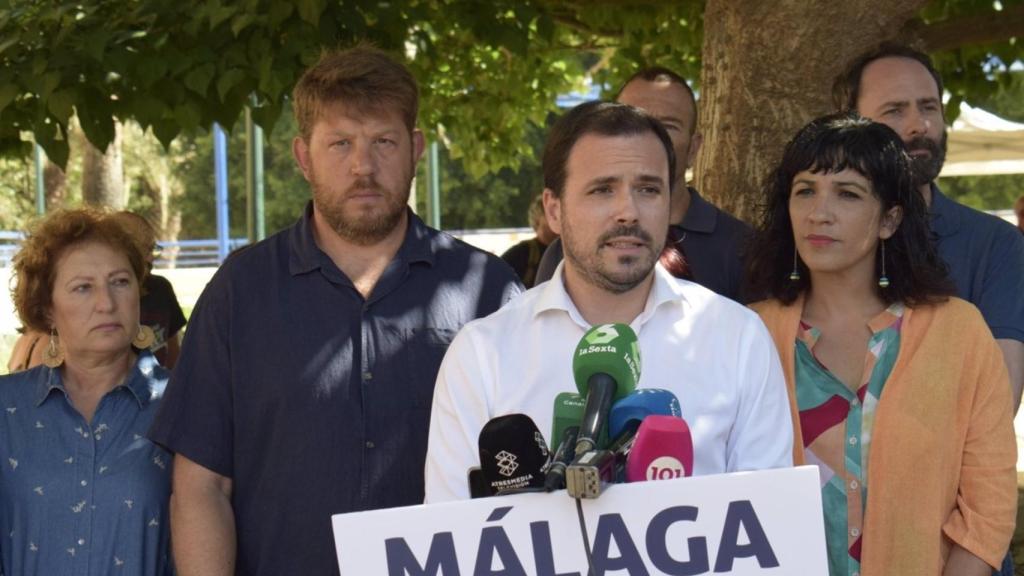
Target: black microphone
x,y
554,475
478,486
513,454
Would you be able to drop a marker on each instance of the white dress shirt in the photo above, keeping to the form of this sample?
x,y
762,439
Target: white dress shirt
x,y
715,355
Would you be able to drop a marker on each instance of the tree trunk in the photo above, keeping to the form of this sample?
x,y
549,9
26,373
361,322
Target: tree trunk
x,y
103,173
761,83
55,185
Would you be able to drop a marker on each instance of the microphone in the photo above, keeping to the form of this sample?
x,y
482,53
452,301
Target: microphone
x,y
626,414
478,486
662,450
565,424
513,454
606,367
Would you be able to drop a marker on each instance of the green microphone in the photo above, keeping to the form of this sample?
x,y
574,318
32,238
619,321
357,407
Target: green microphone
x,y
606,367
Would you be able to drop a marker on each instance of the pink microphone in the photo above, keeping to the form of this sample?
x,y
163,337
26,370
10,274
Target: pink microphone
x,y
663,450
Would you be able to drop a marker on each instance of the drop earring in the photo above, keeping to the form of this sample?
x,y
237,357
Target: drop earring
x,y
795,274
53,355
883,280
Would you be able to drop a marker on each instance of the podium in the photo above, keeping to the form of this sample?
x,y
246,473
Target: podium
x,y
746,523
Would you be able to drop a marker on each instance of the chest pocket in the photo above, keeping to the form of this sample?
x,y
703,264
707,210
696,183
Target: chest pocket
x,y
423,349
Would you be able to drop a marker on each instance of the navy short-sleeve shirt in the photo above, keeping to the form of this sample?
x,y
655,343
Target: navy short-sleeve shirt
x,y
985,256
313,400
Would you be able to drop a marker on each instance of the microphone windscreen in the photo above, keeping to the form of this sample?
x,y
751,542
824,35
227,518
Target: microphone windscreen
x,y
631,410
610,349
663,450
513,453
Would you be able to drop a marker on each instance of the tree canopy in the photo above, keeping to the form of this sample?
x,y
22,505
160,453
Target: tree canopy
x,y
489,71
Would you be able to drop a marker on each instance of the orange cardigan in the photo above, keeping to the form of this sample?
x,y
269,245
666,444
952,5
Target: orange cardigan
x,y
943,454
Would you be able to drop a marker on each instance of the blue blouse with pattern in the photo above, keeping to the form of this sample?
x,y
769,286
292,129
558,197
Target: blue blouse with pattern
x,y
81,499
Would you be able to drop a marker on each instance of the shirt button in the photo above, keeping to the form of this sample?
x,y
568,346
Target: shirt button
x,y
854,532
854,484
370,444
81,541
85,482
367,375
853,440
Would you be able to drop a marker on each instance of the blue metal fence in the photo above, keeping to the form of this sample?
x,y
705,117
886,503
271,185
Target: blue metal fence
x,y
181,254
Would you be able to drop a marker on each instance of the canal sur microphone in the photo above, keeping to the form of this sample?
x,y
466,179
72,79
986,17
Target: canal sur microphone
x,y
625,415
513,454
606,367
662,450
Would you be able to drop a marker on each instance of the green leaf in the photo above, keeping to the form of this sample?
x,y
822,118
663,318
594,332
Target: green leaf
x,y
48,84
61,104
278,13
166,131
241,22
53,142
229,80
8,92
310,10
188,115
198,79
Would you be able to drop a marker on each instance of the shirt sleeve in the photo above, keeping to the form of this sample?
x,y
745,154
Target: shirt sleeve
x,y
983,520
1001,301
762,436
196,414
458,413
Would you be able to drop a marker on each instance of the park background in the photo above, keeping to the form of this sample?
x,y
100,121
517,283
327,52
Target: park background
x,y
114,102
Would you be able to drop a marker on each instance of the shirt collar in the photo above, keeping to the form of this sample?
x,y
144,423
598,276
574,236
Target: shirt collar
x,y
891,317
665,288
306,256
944,220
140,382
700,216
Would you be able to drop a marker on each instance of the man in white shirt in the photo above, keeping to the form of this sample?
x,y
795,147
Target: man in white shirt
x,y
608,173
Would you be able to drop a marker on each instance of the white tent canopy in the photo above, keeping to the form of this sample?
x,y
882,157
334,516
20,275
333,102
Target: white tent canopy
x,y
981,143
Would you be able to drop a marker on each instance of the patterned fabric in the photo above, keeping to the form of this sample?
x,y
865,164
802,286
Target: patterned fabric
x,y
836,423
78,498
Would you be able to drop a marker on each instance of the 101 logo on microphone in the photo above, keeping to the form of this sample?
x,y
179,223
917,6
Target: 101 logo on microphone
x,y
665,468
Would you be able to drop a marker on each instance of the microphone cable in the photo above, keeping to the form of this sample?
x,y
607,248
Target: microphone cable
x,y
586,538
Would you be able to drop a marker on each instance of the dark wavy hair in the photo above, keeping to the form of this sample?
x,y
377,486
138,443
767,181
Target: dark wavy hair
x,y
832,144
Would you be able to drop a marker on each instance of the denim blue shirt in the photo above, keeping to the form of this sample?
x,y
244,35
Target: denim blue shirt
x,y
313,399
80,499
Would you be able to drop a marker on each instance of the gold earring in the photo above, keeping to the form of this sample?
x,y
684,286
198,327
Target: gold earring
x,y
145,338
53,355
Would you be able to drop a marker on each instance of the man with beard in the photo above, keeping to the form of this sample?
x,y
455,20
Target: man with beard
x,y
899,87
608,176
304,384
710,241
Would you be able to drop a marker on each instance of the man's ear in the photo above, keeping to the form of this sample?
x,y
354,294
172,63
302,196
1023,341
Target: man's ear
x,y
419,144
891,220
553,211
300,150
695,143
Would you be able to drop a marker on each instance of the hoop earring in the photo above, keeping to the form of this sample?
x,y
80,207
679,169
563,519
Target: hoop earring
x,y
883,280
144,338
795,274
53,355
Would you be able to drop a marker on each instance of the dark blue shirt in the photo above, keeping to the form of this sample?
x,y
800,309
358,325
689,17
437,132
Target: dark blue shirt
x,y
985,256
79,499
712,241
313,400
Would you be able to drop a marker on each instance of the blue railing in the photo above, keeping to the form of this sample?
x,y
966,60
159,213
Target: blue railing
x,y
181,254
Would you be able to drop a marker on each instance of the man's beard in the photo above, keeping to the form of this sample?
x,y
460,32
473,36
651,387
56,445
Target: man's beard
x,y
925,169
593,269
360,229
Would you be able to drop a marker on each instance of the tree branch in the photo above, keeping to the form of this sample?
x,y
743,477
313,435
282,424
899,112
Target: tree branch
x,y
985,28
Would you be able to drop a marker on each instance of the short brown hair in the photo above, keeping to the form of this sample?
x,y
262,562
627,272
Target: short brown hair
x,y
363,77
35,264
846,87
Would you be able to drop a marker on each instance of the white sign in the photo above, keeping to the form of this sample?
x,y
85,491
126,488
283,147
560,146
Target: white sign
x,y
748,523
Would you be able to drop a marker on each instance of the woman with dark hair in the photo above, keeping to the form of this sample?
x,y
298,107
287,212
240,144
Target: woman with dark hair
x,y
900,394
82,491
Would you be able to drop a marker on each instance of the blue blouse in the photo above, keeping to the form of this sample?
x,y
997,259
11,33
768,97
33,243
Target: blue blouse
x,y
79,499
